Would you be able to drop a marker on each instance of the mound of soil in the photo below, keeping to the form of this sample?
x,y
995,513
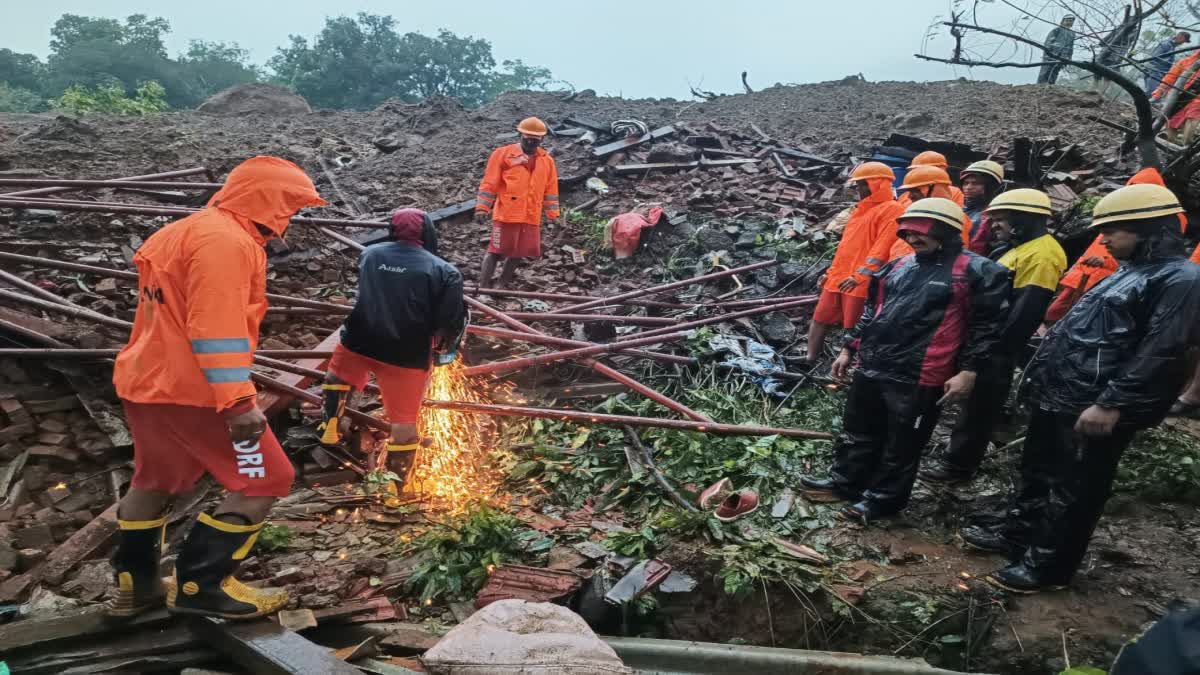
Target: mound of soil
x,y
255,98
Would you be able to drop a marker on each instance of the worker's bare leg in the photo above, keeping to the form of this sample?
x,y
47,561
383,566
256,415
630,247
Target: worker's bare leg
x,y
139,504
816,340
506,274
253,509
488,269
1191,395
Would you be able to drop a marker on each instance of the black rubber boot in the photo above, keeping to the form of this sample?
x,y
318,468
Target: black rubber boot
x,y
135,567
990,541
866,512
335,407
204,583
824,490
943,474
1018,578
400,458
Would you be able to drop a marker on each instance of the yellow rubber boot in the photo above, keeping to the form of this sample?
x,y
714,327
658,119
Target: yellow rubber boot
x,y
204,583
135,567
335,406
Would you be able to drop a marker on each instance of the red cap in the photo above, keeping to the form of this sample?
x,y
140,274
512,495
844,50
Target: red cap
x,y
408,224
918,225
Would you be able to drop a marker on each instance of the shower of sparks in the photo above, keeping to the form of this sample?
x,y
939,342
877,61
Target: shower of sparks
x,y
459,466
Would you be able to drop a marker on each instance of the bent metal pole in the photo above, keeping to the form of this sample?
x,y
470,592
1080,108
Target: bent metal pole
x,y
150,176
662,288
604,418
526,361
564,342
755,311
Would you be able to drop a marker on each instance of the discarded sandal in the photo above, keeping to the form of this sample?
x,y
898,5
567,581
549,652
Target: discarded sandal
x,y
737,505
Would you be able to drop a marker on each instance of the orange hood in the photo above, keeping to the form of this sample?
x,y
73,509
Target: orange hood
x,y
881,190
267,191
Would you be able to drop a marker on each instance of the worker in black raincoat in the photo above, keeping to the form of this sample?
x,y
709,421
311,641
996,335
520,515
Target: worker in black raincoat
x,y
1108,369
931,319
1018,220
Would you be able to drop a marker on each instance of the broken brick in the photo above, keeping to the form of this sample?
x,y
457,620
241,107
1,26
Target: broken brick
x,y
34,536
54,451
52,439
53,405
52,425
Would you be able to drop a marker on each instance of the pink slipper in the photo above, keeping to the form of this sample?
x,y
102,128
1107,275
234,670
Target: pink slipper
x,y
715,493
737,505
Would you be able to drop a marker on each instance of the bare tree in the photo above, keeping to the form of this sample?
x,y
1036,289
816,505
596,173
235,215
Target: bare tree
x,y
1106,31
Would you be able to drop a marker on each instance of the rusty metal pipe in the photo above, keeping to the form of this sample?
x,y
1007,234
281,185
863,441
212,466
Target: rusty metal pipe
x,y
720,318
662,288
566,297
137,209
35,261
150,176
68,309
31,287
97,184
756,302
303,395
605,418
581,352
595,318
603,369
564,342
68,352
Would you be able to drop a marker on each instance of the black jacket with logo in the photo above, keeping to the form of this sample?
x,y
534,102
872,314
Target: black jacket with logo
x,y
928,317
1125,343
407,297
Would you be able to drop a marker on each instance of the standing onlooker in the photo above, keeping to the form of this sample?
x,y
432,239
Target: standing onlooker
x,y
1060,44
1162,57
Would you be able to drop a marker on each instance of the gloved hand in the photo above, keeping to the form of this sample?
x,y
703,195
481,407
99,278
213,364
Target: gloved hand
x,y
481,217
444,358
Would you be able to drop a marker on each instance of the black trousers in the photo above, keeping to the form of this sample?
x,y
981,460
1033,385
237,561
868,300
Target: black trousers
x,y
884,428
1065,481
978,417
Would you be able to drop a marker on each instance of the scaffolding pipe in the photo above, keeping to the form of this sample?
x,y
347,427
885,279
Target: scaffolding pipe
x,y
605,418
68,352
566,297
662,288
100,184
150,176
595,365
35,261
595,318
491,331
138,209
720,318
581,352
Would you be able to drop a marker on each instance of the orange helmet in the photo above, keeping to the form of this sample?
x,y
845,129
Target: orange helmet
x,y
931,158
532,126
872,170
920,176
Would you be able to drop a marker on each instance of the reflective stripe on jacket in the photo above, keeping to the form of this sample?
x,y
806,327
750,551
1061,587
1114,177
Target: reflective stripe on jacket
x,y
513,193
202,286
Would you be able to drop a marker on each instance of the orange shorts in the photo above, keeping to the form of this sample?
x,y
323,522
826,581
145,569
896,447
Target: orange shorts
x,y
403,388
174,445
516,240
836,308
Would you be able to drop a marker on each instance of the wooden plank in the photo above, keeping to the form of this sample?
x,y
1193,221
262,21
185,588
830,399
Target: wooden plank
x,y
79,546
90,622
626,143
272,402
266,648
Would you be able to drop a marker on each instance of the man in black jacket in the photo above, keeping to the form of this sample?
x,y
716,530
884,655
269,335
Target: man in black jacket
x,y
931,319
1018,218
408,299
1108,369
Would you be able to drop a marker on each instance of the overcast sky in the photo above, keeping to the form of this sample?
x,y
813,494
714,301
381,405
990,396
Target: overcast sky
x,y
644,48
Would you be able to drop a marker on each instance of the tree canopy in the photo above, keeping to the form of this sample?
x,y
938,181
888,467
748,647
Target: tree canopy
x,y
353,62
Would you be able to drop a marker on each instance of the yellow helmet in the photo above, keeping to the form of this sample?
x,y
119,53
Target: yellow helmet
x,y
1021,199
985,167
1135,202
937,208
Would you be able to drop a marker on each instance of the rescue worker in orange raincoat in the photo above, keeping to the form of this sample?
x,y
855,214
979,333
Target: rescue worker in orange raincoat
x,y
1096,264
921,183
932,158
519,186
871,226
184,381
1185,116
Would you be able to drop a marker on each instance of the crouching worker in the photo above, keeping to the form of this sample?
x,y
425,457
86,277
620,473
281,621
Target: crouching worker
x,y
931,319
408,298
1108,369
184,381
